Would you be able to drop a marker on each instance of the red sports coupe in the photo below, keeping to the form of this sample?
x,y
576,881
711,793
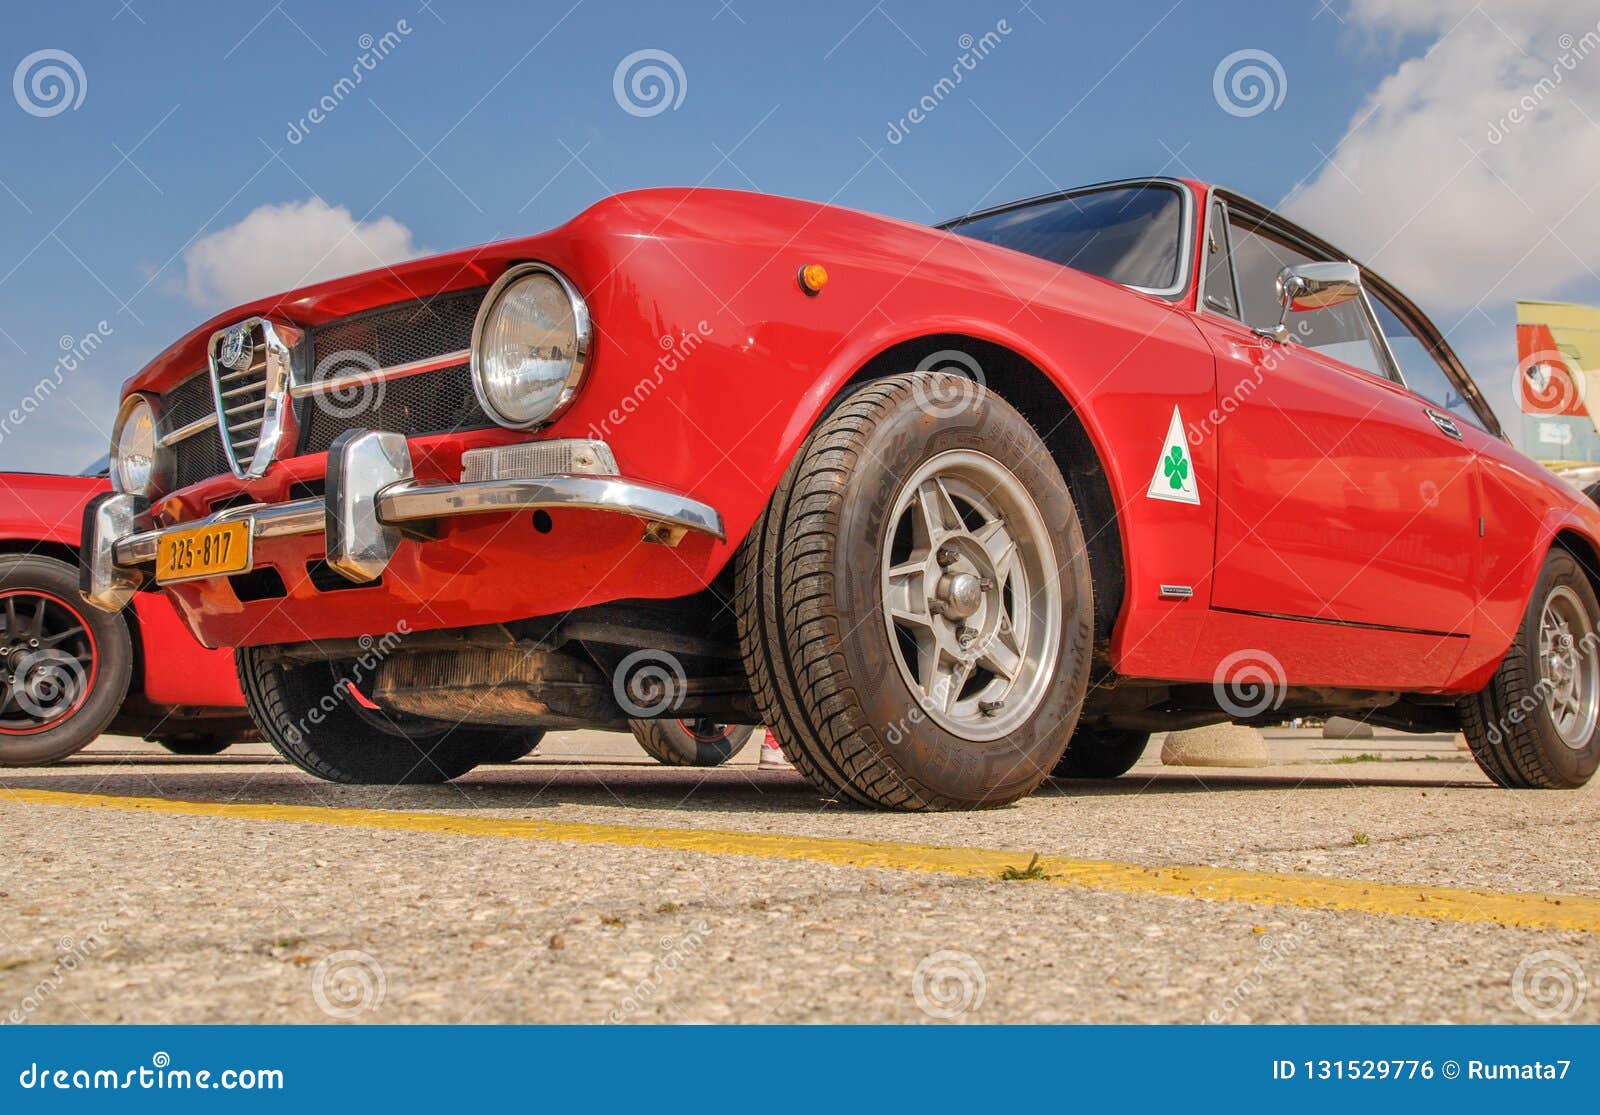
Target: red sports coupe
x,y
949,508
70,672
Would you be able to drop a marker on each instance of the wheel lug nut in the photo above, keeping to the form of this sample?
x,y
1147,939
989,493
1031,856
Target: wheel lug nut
x,y
989,708
985,584
946,557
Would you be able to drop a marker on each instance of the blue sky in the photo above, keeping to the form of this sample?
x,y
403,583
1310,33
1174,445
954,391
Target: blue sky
x,y
487,120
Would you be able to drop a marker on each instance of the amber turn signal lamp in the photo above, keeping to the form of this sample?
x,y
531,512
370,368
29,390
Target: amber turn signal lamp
x,y
813,277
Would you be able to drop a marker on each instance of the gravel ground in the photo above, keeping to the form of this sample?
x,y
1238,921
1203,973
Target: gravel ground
x,y
120,916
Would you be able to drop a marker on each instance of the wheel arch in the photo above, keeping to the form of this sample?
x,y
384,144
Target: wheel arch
x,y
68,554
1038,396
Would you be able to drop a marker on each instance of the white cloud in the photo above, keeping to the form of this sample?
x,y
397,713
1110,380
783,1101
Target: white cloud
x,y
1469,177
280,247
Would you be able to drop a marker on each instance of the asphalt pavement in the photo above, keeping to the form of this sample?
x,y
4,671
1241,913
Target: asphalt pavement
x,y
1380,880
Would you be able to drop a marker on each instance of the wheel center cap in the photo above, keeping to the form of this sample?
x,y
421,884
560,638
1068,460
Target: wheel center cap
x,y
960,595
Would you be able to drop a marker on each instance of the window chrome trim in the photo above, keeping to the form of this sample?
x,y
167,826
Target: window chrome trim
x,y
393,371
1186,220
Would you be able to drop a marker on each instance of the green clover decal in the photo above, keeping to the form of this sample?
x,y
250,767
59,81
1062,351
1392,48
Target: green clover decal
x,y
1176,468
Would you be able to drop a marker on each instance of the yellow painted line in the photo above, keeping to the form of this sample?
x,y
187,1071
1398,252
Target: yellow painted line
x,y
1217,884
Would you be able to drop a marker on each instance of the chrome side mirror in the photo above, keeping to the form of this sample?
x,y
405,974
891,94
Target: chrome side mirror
x,y
1312,286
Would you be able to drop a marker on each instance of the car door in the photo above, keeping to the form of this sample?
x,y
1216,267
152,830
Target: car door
x,y
1342,497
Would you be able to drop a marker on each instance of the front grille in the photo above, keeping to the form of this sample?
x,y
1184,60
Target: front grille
x,y
398,334
199,456
243,396
429,403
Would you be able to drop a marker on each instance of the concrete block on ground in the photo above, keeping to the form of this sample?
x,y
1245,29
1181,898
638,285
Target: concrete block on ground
x,y
1217,745
1342,727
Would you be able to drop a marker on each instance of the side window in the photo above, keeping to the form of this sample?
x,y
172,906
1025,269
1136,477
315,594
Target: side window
x,y
1341,332
1219,290
1423,371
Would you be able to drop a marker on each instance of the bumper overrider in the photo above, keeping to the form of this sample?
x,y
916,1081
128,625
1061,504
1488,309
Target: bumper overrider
x,y
372,500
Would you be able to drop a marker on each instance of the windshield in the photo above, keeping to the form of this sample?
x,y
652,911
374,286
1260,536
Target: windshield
x,y
102,467
1128,234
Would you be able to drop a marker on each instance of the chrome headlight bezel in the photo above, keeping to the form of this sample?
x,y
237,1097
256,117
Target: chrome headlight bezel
x,y
155,473
581,339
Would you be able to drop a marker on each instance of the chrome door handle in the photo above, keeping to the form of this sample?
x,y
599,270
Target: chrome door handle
x,y
1446,424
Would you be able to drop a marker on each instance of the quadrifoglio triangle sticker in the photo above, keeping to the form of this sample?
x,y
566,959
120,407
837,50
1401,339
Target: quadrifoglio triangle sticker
x,y
1174,478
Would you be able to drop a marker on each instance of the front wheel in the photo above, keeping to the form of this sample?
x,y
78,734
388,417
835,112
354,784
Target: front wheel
x,y
690,743
310,713
1536,725
513,745
64,668
1109,753
915,609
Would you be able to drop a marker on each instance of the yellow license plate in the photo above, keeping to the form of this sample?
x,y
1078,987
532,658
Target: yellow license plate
x,y
212,551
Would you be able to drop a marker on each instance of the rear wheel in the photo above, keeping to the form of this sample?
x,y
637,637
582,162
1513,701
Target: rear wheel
x,y
196,744
310,713
1536,725
64,668
513,745
1108,753
915,609
690,743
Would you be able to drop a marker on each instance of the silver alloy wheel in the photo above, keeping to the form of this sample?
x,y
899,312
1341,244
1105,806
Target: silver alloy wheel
x,y
971,595
1569,669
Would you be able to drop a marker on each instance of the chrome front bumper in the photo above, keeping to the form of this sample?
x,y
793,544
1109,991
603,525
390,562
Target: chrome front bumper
x,y
371,492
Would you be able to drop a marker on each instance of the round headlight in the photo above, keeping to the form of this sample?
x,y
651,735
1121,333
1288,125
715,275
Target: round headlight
x,y
529,346
133,447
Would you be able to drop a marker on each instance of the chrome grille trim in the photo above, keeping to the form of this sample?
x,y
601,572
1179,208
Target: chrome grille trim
x,y
265,349
182,433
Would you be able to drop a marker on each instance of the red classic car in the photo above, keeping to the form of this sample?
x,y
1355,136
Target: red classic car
x,y
949,508
68,673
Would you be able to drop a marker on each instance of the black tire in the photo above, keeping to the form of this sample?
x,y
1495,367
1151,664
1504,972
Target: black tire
x,y
308,715
197,744
812,631
1109,753
690,743
513,745
1508,724
92,673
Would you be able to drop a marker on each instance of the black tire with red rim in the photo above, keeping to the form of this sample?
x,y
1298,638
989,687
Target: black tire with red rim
x,y
64,667
690,743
